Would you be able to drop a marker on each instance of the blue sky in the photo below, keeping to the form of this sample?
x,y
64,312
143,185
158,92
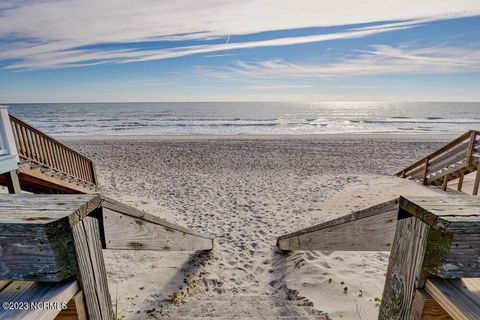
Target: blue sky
x,y
139,50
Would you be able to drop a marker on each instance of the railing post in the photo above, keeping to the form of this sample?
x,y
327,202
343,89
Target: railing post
x,y
7,141
8,151
425,172
471,146
429,243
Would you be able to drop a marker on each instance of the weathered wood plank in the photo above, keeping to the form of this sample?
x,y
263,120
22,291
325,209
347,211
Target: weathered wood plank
x,y
76,309
13,184
459,297
119,207
75,208
441,216
404,273
320,236
126,232
58,294
37,252
453,242
426,308
92,274
373,233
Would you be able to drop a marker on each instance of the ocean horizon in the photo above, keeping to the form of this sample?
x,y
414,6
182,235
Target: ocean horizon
x,y
225,118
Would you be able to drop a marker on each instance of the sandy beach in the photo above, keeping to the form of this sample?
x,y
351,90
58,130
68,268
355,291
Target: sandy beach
x,y
247,190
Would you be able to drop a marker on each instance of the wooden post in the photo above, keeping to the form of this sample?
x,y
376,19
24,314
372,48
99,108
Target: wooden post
x,y
460,181
7,140
404,274
471,147
435,237
425,171
92,274
13,184
477,181
445,183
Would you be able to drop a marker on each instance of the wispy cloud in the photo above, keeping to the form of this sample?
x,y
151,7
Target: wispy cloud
x,y
76,57
381,59
55,34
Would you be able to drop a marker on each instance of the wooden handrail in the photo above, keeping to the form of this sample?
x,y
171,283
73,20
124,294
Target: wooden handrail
x,y
464,137
40,148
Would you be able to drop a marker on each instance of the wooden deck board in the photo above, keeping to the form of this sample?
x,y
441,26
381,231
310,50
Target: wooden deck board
x,y
35,292
459,297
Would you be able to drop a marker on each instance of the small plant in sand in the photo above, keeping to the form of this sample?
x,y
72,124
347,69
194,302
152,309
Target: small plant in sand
x,y
188,284
377,301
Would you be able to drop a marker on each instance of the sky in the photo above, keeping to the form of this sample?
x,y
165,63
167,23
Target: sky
x,y
210,50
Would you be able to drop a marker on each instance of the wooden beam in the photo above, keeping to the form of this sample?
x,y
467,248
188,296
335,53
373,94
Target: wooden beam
x,y
131,233
13,184
371,229
92,274
404,274
76,309
205,241
460,181
460,298
35,235
33,179
477,181
426,308
445,183
425,171
471,146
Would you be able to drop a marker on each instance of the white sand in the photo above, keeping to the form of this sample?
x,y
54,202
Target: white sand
x,y
246,191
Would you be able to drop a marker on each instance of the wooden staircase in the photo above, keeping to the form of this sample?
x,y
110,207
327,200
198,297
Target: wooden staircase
x,y
46,165
453,161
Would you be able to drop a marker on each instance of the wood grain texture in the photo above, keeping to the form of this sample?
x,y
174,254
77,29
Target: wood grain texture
x,y
92,274
35,292
39,207
126,232
35,235
76,309
374,233
12,182
119,207
369,229
454,239
404,274
459,297
424,307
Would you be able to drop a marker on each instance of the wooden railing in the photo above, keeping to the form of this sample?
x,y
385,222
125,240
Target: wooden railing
x,y
37,147
433,270
459,152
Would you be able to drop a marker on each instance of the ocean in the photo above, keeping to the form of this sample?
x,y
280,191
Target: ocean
x,y
175,118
